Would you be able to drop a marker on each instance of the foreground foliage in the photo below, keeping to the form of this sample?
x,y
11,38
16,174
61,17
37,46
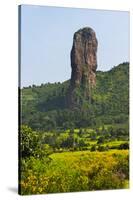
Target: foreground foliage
x,y
75,171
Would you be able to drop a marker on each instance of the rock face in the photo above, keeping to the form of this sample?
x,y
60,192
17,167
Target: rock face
x,y
83,64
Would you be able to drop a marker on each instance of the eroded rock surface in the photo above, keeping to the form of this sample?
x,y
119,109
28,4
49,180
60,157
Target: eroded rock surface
x,y
83,64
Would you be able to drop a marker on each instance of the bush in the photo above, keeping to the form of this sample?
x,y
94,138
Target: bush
x,y
72,171
101,148
28,141
93,148
124,146
31,144
100,140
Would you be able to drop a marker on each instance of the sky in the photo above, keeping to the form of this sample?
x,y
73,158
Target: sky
x,y
47,37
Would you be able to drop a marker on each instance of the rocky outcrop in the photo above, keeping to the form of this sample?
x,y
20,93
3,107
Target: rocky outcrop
x,y
83,64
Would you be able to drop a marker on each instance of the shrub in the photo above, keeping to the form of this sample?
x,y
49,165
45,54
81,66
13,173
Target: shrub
x,y
93,148
100,140
101,148
75,171
124,146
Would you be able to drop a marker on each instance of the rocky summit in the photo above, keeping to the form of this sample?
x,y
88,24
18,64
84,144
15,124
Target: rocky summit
x,y
83,64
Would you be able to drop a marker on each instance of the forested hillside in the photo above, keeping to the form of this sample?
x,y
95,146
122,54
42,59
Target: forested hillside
x,y
45,106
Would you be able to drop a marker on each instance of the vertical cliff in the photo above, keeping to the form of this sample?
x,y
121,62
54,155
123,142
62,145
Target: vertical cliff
x,y
84,65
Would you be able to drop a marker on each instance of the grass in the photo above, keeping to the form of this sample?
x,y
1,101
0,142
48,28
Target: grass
x,y
67,155
114,143
76,171
126,184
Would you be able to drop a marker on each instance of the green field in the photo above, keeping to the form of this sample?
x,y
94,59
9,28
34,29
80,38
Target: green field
x,y
74,159
75,171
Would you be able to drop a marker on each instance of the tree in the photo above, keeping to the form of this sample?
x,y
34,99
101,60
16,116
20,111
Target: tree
x,y
124,146
93,148
101,148
100,140
81,143
81,132
29,141
31,144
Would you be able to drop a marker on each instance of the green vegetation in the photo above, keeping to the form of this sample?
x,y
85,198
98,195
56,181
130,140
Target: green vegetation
x,y
44,107
82,149
34,142
75,171
73,160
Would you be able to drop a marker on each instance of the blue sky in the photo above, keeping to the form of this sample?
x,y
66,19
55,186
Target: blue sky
x,y
47,36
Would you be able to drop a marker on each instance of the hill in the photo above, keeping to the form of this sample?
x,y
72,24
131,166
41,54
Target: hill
x,y
45,107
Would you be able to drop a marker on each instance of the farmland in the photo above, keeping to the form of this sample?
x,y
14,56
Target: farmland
x,y
76,171
74,160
